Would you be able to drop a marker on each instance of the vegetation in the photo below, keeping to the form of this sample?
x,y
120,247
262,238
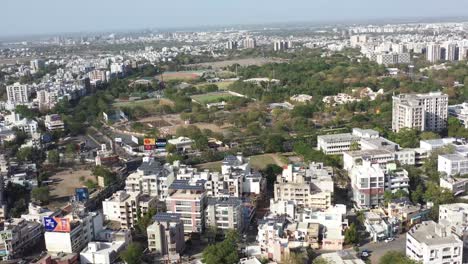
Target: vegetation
x,y
223,252
41,194
132,254
394,257
351,235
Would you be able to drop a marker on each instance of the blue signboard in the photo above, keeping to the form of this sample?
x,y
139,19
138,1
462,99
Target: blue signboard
x,y
82,194
50,224
161,143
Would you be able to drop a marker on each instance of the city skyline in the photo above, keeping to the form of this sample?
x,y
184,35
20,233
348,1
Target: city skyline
x,y
42,17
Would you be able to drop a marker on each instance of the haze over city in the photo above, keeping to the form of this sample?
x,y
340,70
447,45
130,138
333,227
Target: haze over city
x,y
24,17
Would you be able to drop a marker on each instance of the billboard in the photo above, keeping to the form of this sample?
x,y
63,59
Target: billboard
x,y
81,194
161,143
149,141
57,224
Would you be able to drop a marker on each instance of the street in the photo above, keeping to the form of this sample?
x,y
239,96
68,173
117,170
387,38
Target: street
x,y
377,250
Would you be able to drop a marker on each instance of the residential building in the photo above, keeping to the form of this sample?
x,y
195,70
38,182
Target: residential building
x,y
18,236
452,164
37,65
74,232
279,45
166,234
451,52
457,186
342,257
230,45
54,122
181,143
151,178
460,112
26,125
188,198
102,252
455,218
430,242
368,184
306,187
434,52
18,93
224,213
420,111
339,143
393,58
406,213
124,207
249,43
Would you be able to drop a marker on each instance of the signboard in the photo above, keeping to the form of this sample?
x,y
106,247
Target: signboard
x,y
149,147
118,140
149,141
135,140
161,143
57,224
81,194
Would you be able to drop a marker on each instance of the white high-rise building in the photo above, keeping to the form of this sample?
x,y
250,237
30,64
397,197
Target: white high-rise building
x,y
420,111
18,93
451,52
433,52
249,43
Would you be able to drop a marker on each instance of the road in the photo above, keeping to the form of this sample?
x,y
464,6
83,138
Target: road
x,y
379,249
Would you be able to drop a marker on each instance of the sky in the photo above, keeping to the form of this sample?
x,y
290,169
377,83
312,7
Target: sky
x,y
24,17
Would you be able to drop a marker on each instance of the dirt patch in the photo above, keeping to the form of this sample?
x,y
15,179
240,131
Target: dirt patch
x,y
64,183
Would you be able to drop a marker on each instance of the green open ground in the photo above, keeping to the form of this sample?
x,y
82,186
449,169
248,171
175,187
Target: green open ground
x,y
211,97
148,104
221,85
180,76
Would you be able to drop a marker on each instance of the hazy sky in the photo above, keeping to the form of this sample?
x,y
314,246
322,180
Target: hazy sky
x,y
50,16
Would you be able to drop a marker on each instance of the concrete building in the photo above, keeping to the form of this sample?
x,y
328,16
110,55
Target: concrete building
x,y
342,257
37,65
451,52
433,52
460,112
26,125
54,122
452,164
393,58
280,45
188,198
430,243
339,143
224,213
124,207
231,45
102,252
17,236
18,93
368,184
151,178
455,218
166,234
75,233
249,43
420,111
457,186
310,186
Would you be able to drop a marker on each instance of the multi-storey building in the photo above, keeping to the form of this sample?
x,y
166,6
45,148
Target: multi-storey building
x,y
166,234
420,111
18,93
125,208
17,236
339,143
188,198
224,213
459,111
451,52
307,187
151,178
452,164
249,43
54,122
434,52
455,217
431,243
368,184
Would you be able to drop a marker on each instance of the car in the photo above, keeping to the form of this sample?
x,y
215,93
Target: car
x,y
390,239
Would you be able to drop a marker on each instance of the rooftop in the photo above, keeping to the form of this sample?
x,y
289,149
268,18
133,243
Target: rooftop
x,y
429,233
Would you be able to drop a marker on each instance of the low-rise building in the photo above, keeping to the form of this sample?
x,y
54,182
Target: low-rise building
x,y
166,234
460,112
181,143
17,236
452,164
342,257
455,218
457,186
430,242
406,213
102,252
54,122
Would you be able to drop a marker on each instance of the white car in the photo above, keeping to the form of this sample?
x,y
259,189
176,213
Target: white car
x,y
390,239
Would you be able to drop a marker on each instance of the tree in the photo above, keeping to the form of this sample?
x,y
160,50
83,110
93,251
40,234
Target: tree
x,y
145,220
223,252
270,172
171,148
426,135
320,260
406,138
41,194
108,176
394,257
274,143
351,234
295,258
354,146
53,157
132,254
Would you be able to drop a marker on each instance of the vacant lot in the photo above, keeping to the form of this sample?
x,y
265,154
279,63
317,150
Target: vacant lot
x,y
258,162
64,184
221,85
211,97
180,76
241,62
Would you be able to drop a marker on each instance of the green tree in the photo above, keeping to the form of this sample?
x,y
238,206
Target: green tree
x,y
394,257
132,254
320,260
406,138
274,143
223,252
426,135
351,235
354,146
108,176
145,220
25,112
270,172
53,157
295,258
41,194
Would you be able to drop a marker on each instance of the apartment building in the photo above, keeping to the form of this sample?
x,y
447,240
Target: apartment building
x,y
54,123
424,112
17,236
452,164
460,112
310,186
151,178
339,143
225,213
166,234
434,52
18,93
368,184
455,218
188,198
124,207
430,242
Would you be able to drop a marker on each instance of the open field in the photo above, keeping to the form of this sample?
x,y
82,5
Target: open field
x,y
148,104
64,184
210,97
221,85
258,162
241,62
182,75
